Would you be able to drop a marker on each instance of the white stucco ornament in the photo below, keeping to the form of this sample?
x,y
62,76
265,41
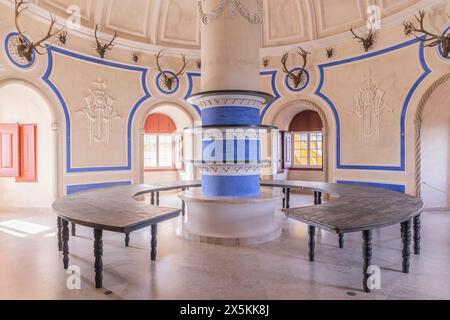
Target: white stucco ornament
x,y
369,108
99,112
234,6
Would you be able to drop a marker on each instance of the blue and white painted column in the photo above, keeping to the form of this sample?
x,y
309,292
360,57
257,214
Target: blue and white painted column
x,y
231,205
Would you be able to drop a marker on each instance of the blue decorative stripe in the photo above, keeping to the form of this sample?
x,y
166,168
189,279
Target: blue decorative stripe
x,y
411,92
231,115
71,189
231,186
393,187
22,66
46,78
191,76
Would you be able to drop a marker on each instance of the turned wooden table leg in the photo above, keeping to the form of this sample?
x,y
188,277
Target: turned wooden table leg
x,y
157,198
65,243
417,236
288,198
311,243
127,239
59,233
319,197
74,229
154,242
152,199
406,252
341,240
98,253
367,257
284,198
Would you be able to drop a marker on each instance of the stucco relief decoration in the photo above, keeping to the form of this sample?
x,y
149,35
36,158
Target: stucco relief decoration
x,y
369,109
100,113
234,6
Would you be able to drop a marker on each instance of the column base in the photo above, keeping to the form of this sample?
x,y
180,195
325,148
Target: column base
x,y
231,221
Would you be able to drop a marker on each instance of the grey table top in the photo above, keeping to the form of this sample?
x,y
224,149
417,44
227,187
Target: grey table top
x,y
355,209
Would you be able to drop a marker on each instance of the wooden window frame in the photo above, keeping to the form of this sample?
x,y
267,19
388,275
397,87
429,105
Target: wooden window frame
x,y
295,167
159,168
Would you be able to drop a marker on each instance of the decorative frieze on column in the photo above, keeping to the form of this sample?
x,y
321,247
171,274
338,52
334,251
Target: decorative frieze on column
x,y
233,6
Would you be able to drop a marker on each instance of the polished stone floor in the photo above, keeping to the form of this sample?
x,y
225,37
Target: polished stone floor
x,y
31,267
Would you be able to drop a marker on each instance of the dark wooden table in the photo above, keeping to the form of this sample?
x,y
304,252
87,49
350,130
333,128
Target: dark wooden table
x,y
112,209
355,209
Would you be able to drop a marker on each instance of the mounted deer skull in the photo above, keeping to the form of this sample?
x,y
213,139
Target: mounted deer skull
x,y
102,48
24,48
295,77
198,63
169,78
367,41
432,39
266,62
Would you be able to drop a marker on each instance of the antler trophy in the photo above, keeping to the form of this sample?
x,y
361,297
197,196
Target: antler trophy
x,y
102,48
24,48
366,41
295,77
170,78
432,39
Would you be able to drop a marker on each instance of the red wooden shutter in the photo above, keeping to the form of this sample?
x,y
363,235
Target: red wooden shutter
x,y
9,150
28,153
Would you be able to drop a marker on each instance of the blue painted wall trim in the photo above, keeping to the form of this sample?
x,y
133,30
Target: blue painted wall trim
x,y
191,76
147,95
393,187
71,189
22,66
411,92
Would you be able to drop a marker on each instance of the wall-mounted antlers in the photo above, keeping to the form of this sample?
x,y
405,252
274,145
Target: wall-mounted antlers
x,y
198,63
62,38
24,48
330,52
367,41
432,39
170,78
295,77
102,48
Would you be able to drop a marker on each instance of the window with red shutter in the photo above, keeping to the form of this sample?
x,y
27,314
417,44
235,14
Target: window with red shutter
x,y
9,150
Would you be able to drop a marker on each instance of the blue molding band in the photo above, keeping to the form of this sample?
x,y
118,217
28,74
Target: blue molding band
x,y
164,91
147,95
393,187
22,66
231,186
411,92
231,115
440,49
71,189
303,87
271,73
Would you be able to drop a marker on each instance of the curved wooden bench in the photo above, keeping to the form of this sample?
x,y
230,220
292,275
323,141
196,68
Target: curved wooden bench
x,y
355,209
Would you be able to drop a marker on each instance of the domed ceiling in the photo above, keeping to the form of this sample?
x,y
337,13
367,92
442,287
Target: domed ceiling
x,y
175,23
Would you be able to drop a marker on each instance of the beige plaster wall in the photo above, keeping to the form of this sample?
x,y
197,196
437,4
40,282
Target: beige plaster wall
x,y
393,73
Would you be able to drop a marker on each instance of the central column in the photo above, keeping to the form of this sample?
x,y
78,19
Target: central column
x,y
231,204
231,33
